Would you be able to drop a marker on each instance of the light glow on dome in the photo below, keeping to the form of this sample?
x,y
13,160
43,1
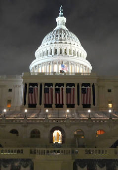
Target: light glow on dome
x,y
58,47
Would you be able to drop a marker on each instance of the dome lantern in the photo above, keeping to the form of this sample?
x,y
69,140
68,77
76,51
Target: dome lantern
x,y
61,20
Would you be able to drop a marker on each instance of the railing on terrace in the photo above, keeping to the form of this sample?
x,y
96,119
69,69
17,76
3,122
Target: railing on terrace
x,y
59,114
53,120
78,153
58,73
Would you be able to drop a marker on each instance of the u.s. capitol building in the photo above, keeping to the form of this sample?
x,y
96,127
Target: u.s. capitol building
x,y
60,115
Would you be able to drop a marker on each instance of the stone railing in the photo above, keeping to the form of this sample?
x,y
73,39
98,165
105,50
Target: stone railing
x,y
51,120
58,73
76,153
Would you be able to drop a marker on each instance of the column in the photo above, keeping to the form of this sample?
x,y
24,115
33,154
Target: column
x,y
48,52
79,68
74,67
42,103
41,67
75,95
46,68
58,51
82,69
53,51
96,94
68,51
80,96
53,106
49,67
89,70
65,95
23,94
52,67
57,67
37,69
91,95
38,96
69,67
27,95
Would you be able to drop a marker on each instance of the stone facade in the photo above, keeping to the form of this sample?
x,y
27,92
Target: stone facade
x,y
60,115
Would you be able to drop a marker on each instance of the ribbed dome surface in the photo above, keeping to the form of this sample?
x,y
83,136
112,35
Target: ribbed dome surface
x,y
61,36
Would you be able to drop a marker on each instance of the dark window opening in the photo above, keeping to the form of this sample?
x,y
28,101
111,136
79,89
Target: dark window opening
x,y
86,105
35,133
14,131
59,105
48,105
8,103
109,90
70,105
9,90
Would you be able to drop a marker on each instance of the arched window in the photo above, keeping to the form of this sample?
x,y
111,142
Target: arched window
x,y
79,138
73,52
77,54
79,133
14,131
47,52
60,51
35,133
100,132
1,146
55,52
57,135
65,52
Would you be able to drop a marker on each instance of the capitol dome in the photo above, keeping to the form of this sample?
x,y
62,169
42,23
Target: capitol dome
x,y
60,35
60,51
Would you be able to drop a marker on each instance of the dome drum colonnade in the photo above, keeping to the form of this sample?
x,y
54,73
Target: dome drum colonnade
x,y
60,47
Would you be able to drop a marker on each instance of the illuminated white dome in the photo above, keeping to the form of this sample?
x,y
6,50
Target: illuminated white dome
x,y
61,50
60,36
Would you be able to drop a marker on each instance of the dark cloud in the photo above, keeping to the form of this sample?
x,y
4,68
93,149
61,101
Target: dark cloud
x,y
24,23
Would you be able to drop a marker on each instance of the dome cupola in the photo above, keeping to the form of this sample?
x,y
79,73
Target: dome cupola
x,y
60,51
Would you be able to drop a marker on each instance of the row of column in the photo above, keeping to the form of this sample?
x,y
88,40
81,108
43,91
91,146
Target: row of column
x,y
76,105
61,51
56,67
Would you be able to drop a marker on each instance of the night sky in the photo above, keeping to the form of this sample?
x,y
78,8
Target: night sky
x,y
24,23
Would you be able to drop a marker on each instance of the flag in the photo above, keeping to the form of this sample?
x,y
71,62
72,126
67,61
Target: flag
x,y
48,95
86,95
59,95
70,95
33,95
64,67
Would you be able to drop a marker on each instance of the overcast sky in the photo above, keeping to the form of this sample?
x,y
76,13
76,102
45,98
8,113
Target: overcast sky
x,y
24,23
